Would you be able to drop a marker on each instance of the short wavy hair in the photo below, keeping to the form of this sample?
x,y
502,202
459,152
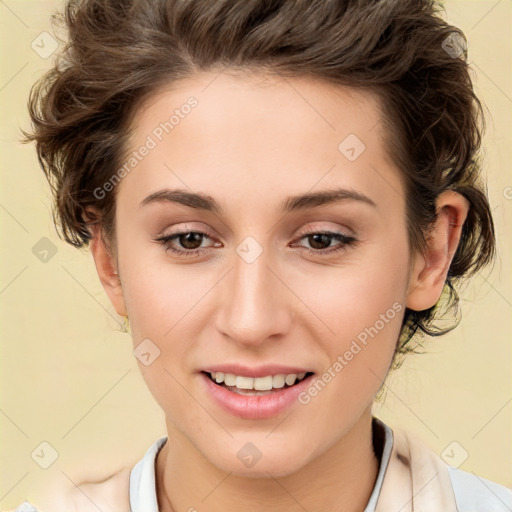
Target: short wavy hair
x,y
120,51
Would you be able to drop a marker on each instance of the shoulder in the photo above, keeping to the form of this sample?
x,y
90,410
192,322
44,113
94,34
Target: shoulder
x,y
418,466
110,494
472,492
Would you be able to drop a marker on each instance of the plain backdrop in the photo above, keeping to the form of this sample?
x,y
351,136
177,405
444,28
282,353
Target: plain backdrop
x,y
68,375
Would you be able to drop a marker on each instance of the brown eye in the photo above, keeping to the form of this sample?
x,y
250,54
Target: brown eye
x,y
190,240
321,242
185,243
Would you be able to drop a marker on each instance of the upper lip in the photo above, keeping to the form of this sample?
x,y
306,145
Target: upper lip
x,y
255,371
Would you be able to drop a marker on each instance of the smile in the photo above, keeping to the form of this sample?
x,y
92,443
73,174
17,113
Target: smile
x,y
254,398
246,385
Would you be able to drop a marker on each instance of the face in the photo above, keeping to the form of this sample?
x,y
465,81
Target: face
x,y
251,280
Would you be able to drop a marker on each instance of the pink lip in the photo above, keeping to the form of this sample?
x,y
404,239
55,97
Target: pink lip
x,y
252,371
254,407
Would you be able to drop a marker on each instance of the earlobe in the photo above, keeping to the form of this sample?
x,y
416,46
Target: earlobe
x,y
107,270
430,269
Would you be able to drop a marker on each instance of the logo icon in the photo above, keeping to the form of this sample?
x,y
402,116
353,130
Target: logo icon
x,y
454,45
249,455
351,147
44,250
146,352
249,249
454,454
44,455
44,45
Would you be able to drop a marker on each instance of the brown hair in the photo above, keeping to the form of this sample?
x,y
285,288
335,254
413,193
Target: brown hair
x,y
119,51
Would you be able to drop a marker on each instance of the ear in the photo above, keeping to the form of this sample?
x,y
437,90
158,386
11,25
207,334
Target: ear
x,y
106,267
430,268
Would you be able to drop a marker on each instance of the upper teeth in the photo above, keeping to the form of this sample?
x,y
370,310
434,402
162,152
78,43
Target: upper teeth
x,y
257,383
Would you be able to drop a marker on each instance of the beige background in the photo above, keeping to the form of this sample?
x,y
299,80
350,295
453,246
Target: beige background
x,y
69,378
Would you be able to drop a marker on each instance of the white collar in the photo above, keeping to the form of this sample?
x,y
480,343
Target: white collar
x,y
142,480
142,477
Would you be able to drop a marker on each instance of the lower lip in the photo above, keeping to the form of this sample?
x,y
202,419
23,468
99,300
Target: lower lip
x,y
252,406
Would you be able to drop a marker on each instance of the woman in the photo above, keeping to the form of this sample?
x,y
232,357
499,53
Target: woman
x,y
279,196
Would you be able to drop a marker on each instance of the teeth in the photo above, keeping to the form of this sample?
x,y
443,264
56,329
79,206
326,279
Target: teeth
x,y
278,381
257,383
290,379
263,383
244,382
229,379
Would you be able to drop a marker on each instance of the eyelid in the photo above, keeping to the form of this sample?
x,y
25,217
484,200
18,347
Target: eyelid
x,y
345,241
344,238
184,228
317,229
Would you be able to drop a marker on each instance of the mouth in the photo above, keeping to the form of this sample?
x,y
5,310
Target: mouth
x,y
256,386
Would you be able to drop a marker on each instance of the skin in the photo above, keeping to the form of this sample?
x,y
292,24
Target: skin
x,y
251,142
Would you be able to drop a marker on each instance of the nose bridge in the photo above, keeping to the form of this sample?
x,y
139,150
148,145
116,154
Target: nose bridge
x,y
255,303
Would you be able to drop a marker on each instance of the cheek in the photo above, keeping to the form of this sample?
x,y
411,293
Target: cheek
x,y
361,307
353,297
157,293
160,303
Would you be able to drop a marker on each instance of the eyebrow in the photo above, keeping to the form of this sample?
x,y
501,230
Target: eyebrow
x,y
202,201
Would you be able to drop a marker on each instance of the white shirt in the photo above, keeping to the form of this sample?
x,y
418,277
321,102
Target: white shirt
x,y
472,493
142,478
411,477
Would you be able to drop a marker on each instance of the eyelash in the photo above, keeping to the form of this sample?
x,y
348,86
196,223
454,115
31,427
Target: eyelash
x,y
345,240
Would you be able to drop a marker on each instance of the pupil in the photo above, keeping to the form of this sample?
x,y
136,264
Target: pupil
x,y
190,238
326,240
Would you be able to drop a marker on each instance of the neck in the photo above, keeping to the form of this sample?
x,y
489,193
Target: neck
x,y
339,480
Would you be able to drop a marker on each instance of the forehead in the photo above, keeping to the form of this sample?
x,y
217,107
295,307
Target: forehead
x,y
253,100
260,134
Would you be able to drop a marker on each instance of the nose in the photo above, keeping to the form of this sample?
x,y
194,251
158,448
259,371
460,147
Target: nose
x,y
257,304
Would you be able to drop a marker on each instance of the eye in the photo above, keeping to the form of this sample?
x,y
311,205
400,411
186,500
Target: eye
x,y
190,242
321,242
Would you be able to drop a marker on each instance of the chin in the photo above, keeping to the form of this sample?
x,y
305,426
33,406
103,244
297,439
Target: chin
x,y
250,462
